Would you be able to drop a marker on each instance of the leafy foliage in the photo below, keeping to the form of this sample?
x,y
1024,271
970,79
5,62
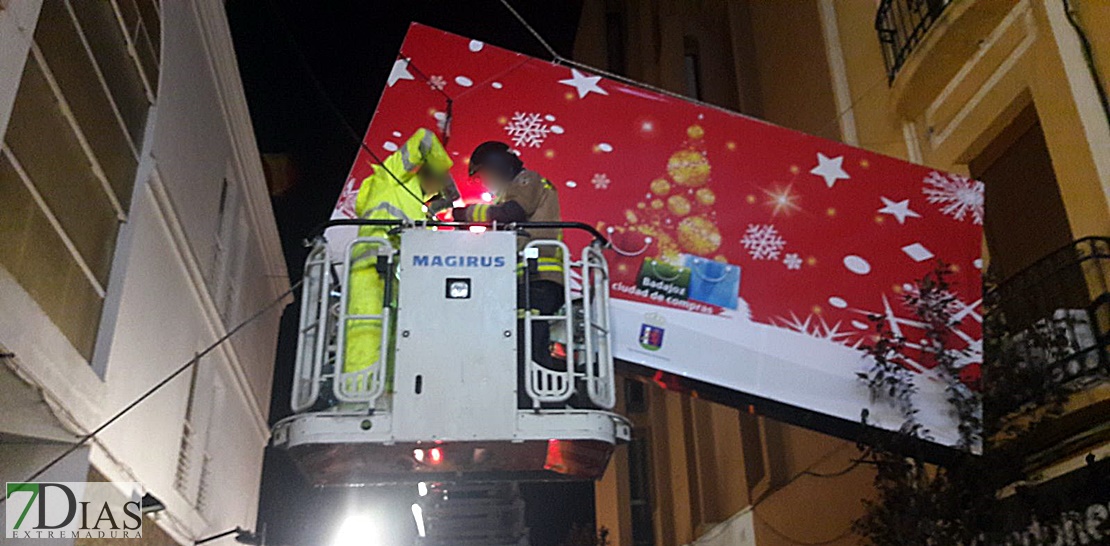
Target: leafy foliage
x,y
1022,369
917,503
922,504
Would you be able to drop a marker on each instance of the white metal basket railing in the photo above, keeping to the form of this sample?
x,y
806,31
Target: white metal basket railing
x,y
312,337
544,384
324,330
599,378
368,383
590,366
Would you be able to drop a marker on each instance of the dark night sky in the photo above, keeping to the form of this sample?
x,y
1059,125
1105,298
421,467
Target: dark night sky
x,y
349,46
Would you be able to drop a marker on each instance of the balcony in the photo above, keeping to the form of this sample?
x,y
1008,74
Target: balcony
x,y
901,25
1048,328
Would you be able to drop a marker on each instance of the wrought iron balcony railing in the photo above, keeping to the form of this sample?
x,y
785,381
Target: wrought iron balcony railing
x,y
1048,330
901,25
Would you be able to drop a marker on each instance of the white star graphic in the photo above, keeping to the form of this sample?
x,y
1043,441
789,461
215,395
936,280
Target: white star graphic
x,y
584,84
900,210
400,72
829,168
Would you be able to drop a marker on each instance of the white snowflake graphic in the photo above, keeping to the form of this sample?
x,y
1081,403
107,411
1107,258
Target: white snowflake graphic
x,y
527,129
958,195
763,242
346,203
600,181
815,326
437,82
792,261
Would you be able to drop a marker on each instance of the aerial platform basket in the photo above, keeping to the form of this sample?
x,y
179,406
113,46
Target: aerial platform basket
x,y
437,397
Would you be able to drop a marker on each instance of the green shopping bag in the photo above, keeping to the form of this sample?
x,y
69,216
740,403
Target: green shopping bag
x,y
663,280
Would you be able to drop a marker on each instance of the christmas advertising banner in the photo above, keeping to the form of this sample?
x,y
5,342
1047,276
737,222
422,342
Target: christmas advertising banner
x,y
743,254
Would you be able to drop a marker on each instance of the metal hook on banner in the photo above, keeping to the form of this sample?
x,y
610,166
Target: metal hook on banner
x,y
445,126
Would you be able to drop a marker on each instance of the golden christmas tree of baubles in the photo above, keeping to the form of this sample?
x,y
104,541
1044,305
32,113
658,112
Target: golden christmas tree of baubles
x,y
677,213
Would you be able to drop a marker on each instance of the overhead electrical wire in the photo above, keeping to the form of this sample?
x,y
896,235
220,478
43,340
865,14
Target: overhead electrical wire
x,y
807,472
448,110
158,386
318,87
535,33
559,59
847,533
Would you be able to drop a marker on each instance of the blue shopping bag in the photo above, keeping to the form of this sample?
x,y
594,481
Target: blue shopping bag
x,y
713,282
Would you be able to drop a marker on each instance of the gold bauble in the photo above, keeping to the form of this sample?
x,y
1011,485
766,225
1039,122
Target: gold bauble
x,y
678,205
630,216
656,204
660,186
695,132
706,197
697,235
688,168
641,205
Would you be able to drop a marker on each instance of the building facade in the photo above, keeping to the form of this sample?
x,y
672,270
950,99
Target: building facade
x,y
1010,92
136,231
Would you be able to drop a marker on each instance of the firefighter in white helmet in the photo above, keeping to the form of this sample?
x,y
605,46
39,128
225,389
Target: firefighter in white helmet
x,y
523,196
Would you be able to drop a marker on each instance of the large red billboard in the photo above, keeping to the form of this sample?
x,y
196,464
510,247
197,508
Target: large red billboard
x,y
744,254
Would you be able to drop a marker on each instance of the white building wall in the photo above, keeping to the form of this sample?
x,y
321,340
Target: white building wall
x,y
184,272
179,282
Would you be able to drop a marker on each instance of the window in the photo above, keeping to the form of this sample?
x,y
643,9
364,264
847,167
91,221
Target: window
x,y
614,41
765,464
635,396
692,68
69,156
1018,177
193,475
751,439
123,76
220,247
639,488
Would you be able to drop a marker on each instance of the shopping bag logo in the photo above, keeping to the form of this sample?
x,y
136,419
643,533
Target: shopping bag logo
x,y
662,281
713,282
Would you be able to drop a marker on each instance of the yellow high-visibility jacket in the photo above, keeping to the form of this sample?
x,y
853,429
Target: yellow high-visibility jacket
x,y
381,197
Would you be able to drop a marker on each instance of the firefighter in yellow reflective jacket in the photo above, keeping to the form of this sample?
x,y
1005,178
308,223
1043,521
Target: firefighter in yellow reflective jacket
x,y
523,196
399,190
